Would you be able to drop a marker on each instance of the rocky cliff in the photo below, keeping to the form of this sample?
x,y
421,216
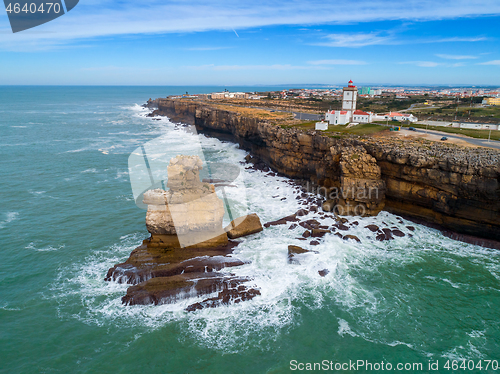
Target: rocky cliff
x,y
453,187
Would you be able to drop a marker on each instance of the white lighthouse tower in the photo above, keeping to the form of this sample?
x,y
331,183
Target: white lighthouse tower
x,y
350,95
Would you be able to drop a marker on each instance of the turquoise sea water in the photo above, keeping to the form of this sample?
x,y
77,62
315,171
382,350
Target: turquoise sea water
x,y
67,214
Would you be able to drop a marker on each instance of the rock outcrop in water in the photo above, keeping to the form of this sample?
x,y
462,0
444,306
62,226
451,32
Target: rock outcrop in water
x,y
188,248
453,187
188,213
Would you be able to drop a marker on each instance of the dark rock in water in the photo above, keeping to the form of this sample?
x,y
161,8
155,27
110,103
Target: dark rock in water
x,y
324,272
282,221
313,223
388,233
339,235
301,238
342,220
301,213
295,250
225,297
372,228
306,234
150,262
324,227
314,242
385,235
341,226
353,237
293,226
310,224
411,228
306,225
355,223
166,290
319,233
397,232
244,226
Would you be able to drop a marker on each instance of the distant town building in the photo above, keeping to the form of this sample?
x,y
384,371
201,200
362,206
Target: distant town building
x,y
364,90
217,95
228,95
491,101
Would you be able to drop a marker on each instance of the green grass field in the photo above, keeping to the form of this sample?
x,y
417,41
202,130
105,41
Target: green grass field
x,y
362,129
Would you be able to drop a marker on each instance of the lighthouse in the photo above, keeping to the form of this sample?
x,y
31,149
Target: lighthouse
x,y
349,97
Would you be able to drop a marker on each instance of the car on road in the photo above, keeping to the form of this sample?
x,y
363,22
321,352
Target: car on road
x,y
444,138
412,129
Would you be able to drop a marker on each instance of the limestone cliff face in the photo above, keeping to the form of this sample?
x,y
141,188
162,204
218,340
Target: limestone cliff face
x,y
457,188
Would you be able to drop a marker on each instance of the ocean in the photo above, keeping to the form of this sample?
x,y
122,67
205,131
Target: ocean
x,y
67,214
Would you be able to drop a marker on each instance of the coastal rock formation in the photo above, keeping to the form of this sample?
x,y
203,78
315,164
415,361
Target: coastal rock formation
x,y
244,226
452,187
188,248
362,191
189,212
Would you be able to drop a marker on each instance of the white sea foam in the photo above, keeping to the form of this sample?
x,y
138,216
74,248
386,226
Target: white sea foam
x,y
78,150
9,217
345,329
48,248
91,170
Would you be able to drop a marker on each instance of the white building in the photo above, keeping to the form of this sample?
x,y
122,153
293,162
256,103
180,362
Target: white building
x,y
323,126
228,95
401,117
349,97
337,117
362,117
346,115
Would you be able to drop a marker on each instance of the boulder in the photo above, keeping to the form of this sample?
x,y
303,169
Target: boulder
x,y
243,226
353,237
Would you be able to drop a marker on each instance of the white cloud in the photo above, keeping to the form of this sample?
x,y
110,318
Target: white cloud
x,y
337,62
457,39
423,64
94,18
457,57
355,40
494,62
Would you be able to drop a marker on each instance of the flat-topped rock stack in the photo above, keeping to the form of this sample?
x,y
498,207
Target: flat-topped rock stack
x,y
188,247
189,213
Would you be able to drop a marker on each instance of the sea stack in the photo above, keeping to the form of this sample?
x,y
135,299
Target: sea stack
x,y
189,213
188,247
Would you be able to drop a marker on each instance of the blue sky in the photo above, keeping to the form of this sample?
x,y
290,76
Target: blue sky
x,y
259,42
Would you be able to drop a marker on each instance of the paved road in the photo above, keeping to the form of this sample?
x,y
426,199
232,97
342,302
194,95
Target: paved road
x,y
474,141
308,116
